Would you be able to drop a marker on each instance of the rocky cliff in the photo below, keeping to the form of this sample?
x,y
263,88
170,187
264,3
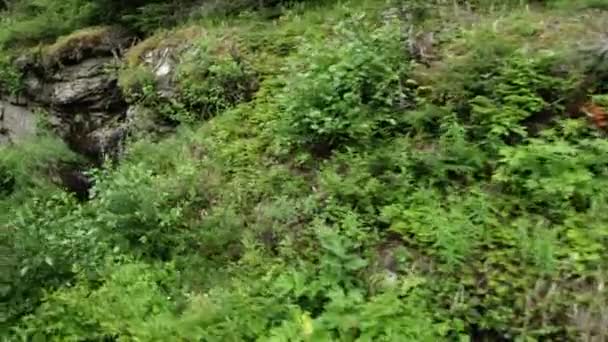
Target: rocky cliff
x,y
73,82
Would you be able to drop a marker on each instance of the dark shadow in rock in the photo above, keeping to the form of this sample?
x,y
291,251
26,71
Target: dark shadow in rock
x,y
74,180
7,182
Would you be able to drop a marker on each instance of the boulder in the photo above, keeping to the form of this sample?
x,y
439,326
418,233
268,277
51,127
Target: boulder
x,y
77,88
85,101
16,123
87,94
163,63
75,81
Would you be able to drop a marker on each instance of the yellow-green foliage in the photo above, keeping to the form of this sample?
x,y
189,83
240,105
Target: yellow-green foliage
x,y
73,45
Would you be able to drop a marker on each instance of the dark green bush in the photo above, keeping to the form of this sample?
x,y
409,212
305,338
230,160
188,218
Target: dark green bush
x,y
7,181
522,90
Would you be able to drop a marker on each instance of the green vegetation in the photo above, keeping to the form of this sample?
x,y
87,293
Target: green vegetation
x,y
10,77
338,174
213,77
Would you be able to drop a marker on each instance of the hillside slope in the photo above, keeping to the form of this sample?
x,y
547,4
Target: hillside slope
x,y
364,170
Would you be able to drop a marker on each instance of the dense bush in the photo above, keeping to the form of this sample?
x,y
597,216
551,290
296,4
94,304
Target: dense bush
x,y
30,163
130,303
35,254
47,253
215,78
352,90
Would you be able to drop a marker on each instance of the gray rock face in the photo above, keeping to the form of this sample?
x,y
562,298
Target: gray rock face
x,y
82,96
92,93
163,63
75,84
16,123
85,99
77,88
87,69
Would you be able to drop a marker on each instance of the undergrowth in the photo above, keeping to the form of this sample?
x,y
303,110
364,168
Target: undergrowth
x,y
333,179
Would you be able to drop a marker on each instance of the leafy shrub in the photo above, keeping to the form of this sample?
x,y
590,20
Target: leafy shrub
x,y
147,211
239,310
215,78
453,233
351,90
129,303
555,172
43,253
29,163
40,251
132,207
10,77
520,91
